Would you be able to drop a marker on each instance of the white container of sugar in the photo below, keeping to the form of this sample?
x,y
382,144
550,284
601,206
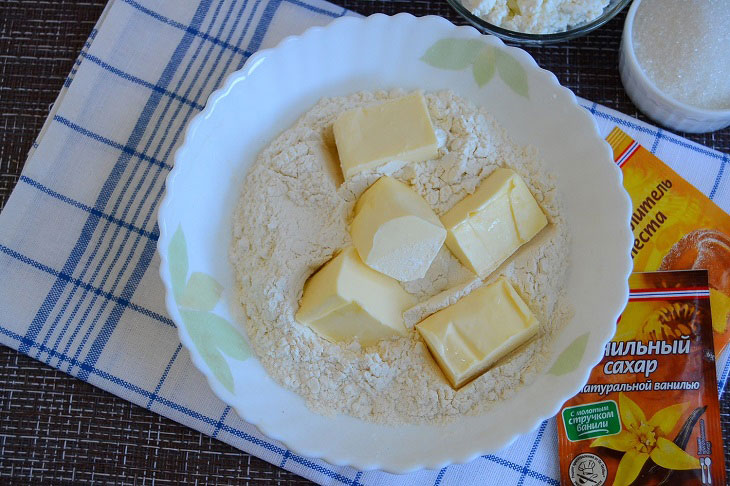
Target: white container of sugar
x,y
675,62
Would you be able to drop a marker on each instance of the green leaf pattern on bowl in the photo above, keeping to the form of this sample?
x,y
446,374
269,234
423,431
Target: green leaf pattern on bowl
x,y
196,297
454,54
570,358
511,72
484,66
457,54
178,257
201,292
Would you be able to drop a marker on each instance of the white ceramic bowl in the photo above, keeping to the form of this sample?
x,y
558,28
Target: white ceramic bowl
x,y
277,86
653,102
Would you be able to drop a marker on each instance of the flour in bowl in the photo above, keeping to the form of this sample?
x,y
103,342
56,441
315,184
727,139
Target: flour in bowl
x,y
293,216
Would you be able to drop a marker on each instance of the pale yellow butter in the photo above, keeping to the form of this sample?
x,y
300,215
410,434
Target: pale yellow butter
x,y
347,300
485,228
395,231
469,336
371,136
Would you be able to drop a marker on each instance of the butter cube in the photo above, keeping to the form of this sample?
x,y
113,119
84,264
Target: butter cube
x,y
370,136
395,231
345,300
469,336
485,228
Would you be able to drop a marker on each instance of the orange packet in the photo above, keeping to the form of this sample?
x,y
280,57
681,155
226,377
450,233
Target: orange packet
x,y
675,226
649,414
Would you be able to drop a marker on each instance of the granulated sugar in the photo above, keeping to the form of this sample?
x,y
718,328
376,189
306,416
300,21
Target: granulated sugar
x,y
293,216
684,48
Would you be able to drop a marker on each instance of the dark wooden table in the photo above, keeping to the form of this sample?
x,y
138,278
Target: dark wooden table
x,y
58,430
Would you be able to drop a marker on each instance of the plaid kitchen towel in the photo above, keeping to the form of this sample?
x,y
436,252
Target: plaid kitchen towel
x,y
80,288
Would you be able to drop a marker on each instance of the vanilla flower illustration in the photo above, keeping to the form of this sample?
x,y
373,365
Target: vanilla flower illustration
x,y
642,439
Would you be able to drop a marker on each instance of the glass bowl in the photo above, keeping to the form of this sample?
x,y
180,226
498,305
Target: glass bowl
x,y
613,8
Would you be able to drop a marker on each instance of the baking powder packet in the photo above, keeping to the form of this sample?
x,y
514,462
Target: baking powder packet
x,y
675,226
649,414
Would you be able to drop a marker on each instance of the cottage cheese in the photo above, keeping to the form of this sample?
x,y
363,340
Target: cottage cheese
x,y
536,16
